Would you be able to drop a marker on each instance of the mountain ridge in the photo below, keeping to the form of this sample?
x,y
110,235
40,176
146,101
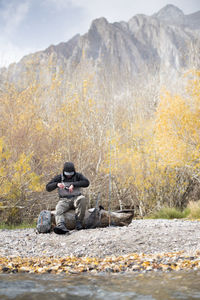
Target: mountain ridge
x,y
166,43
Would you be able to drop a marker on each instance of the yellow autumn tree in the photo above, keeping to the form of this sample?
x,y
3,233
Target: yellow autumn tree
x,y
177,138
23,180
5,185
17,182
22,130
155,158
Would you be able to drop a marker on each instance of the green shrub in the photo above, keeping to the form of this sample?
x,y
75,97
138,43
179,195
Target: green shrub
x,y
170,213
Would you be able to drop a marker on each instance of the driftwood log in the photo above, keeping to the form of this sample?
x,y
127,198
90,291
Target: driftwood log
x,y
98,217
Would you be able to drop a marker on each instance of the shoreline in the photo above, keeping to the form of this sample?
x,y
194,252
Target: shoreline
x,y
132,263
142,246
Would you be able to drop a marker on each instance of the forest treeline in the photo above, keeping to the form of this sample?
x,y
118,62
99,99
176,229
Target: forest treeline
x,y
133,159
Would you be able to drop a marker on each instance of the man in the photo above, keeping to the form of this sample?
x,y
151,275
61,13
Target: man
x,y
69,185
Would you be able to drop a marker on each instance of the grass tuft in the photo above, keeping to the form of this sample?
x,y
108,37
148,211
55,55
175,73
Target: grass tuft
x,y
170,213
19,226
194,208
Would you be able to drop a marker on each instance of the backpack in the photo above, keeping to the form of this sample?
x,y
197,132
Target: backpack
x,y
44,222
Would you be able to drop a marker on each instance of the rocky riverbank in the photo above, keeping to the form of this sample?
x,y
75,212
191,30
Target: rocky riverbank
x,y
155,238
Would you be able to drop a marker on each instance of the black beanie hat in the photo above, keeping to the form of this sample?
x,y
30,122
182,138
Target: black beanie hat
x,y
68,169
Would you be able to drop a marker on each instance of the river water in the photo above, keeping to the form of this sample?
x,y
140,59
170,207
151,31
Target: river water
x,y
174,285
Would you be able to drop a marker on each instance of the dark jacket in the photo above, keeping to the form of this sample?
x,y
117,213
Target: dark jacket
x,y
78,180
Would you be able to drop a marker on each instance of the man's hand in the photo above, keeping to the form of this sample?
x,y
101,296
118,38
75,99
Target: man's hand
x,y
71,188
61,185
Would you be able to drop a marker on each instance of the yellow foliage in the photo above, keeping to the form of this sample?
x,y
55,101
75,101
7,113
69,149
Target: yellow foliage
x,y
4,157
177,131
157,156
23,176
68,122
16,176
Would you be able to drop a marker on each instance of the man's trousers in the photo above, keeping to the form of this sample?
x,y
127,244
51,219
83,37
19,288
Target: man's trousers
x,y
77,202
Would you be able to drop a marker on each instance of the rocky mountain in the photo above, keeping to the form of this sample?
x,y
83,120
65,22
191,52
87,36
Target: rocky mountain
x,y
117,55
174,16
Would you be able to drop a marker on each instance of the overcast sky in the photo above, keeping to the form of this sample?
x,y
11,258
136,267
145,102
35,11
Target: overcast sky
x,y
30,25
